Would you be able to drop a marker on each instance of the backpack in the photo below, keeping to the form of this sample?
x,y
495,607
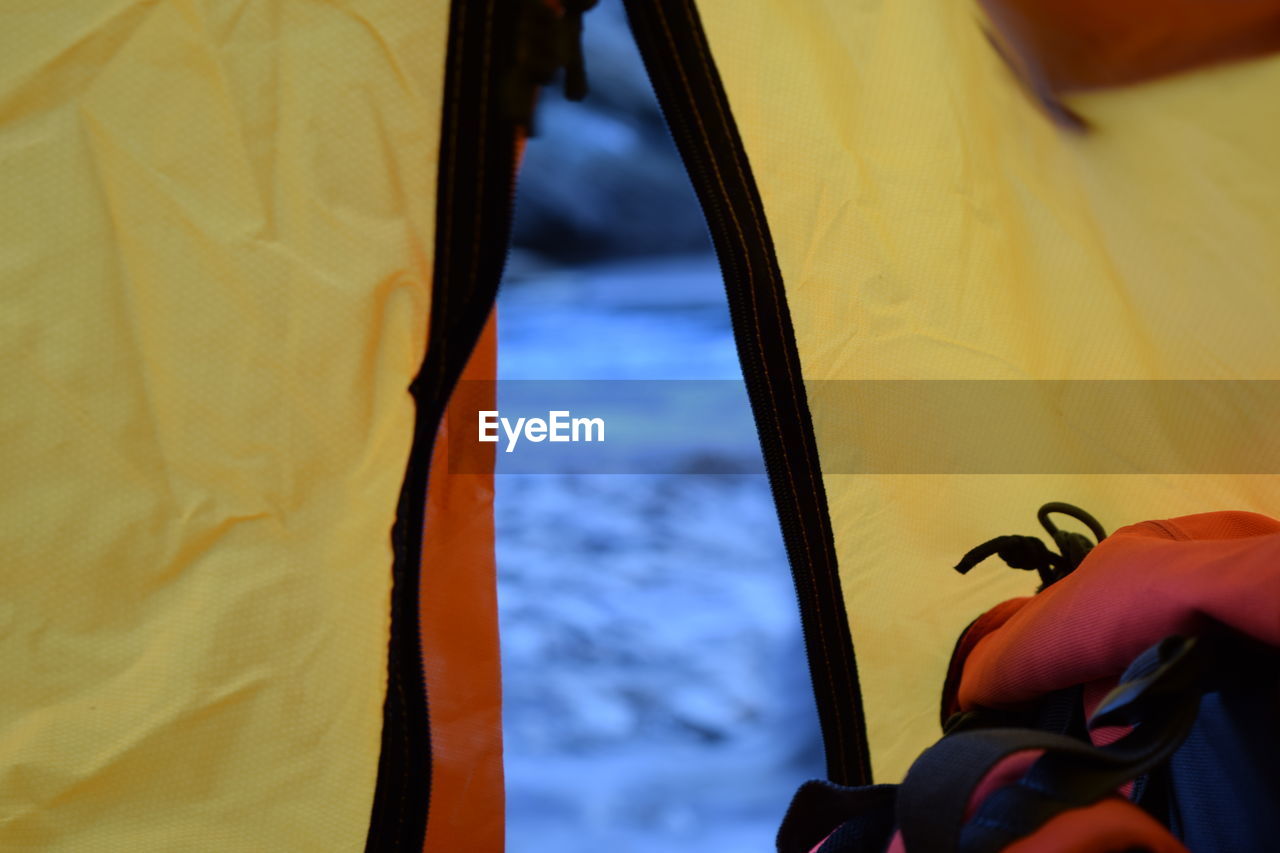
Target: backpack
x,y
1130,704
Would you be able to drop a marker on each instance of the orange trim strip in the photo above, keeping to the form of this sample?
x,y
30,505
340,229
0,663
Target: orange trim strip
x,y
459,609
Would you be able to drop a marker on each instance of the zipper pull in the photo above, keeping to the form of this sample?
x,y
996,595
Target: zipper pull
x,y
575,66
549,37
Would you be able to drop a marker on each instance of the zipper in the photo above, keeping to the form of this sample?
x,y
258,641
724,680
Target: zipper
x,y
499,52
474,192
683,74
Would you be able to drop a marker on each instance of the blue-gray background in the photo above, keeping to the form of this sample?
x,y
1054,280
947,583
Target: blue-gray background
x,y
656,693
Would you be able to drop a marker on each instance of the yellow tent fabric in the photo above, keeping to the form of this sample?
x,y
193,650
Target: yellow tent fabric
x,y
931,223
218,224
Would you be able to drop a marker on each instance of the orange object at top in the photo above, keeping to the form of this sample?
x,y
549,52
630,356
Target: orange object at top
x,y
1061,46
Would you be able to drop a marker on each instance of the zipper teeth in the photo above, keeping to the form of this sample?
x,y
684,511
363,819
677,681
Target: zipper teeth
x,y
474,317
475,215
749,352
841,721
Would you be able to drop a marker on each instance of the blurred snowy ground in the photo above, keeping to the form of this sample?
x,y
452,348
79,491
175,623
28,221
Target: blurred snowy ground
x,y
657,696
656,692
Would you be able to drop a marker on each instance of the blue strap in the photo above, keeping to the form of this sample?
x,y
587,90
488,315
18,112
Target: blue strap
x,y
863,815
1072,772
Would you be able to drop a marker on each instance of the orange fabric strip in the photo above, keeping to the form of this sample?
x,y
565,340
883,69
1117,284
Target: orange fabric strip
x,y
459,609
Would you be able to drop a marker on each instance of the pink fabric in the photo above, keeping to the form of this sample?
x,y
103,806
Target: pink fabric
x,y
1223,565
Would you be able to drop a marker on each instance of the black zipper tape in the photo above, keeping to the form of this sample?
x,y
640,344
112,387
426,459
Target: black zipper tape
x,y
678,58
473,225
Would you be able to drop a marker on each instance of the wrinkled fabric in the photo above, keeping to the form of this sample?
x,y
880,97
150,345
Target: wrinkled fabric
x,y
932,222
214,294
